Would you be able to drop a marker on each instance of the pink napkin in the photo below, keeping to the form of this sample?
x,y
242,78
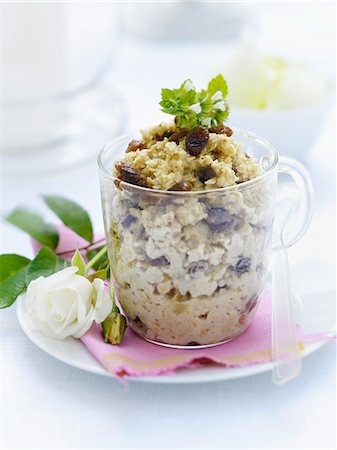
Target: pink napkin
x,y
136,357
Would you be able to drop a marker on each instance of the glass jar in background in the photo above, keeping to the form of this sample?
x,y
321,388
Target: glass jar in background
x,y
190,267
57,106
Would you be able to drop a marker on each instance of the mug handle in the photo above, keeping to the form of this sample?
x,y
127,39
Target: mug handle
x,y
304,202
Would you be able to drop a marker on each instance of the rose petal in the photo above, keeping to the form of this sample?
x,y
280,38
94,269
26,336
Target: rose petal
x,y
103,303
42,305
85,326
62,300
71,316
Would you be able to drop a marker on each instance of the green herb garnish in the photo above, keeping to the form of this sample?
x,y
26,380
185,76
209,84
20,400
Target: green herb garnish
x,y
207,107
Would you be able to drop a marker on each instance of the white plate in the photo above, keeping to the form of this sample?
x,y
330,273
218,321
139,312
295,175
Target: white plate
x,y
317,315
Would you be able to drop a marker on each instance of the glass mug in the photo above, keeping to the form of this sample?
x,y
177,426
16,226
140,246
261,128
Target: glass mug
x,y
190,267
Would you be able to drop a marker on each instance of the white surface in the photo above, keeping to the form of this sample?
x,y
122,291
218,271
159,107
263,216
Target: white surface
x,y
49,405
71,351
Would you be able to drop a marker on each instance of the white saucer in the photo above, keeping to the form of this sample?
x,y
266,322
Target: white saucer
x,y
318,315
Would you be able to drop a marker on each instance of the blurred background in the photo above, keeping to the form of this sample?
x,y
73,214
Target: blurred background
x,y
76,74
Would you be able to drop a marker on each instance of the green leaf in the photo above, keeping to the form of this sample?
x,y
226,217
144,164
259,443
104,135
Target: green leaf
x,y
71,214
221,116
78,261
177,101
33,224
218,84
166,95
44,264
12,278
206,104
187,86
185,101
102,274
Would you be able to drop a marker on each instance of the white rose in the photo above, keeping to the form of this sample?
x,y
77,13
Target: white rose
x,y
66,304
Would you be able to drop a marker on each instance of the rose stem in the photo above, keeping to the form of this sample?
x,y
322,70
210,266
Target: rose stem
x,y
81,248
95,258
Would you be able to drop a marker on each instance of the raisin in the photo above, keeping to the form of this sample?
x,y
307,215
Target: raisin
x,y
129,220
221,287
178,135
221,129
118,183
176,120
217,228
219,219
196,267
135,145
119,165
151,199
205,173
172,292
193,343
128,174
181,186
216,216
161,261
166,134
228,131
243,265
196,140
203,316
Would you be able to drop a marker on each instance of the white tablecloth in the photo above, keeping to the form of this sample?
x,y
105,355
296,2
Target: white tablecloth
x,y
46,404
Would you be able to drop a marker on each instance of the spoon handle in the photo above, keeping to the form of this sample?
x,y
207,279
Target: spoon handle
x,y
285,348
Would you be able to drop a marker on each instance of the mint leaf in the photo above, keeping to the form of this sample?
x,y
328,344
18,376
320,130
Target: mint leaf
x,y
33,224
207,107
169,99
206,104
78,261
44,264
221,116
218,84
12,278
177,101
71,214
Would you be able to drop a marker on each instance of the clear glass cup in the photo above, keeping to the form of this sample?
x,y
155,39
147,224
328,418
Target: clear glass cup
x,y
190,267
